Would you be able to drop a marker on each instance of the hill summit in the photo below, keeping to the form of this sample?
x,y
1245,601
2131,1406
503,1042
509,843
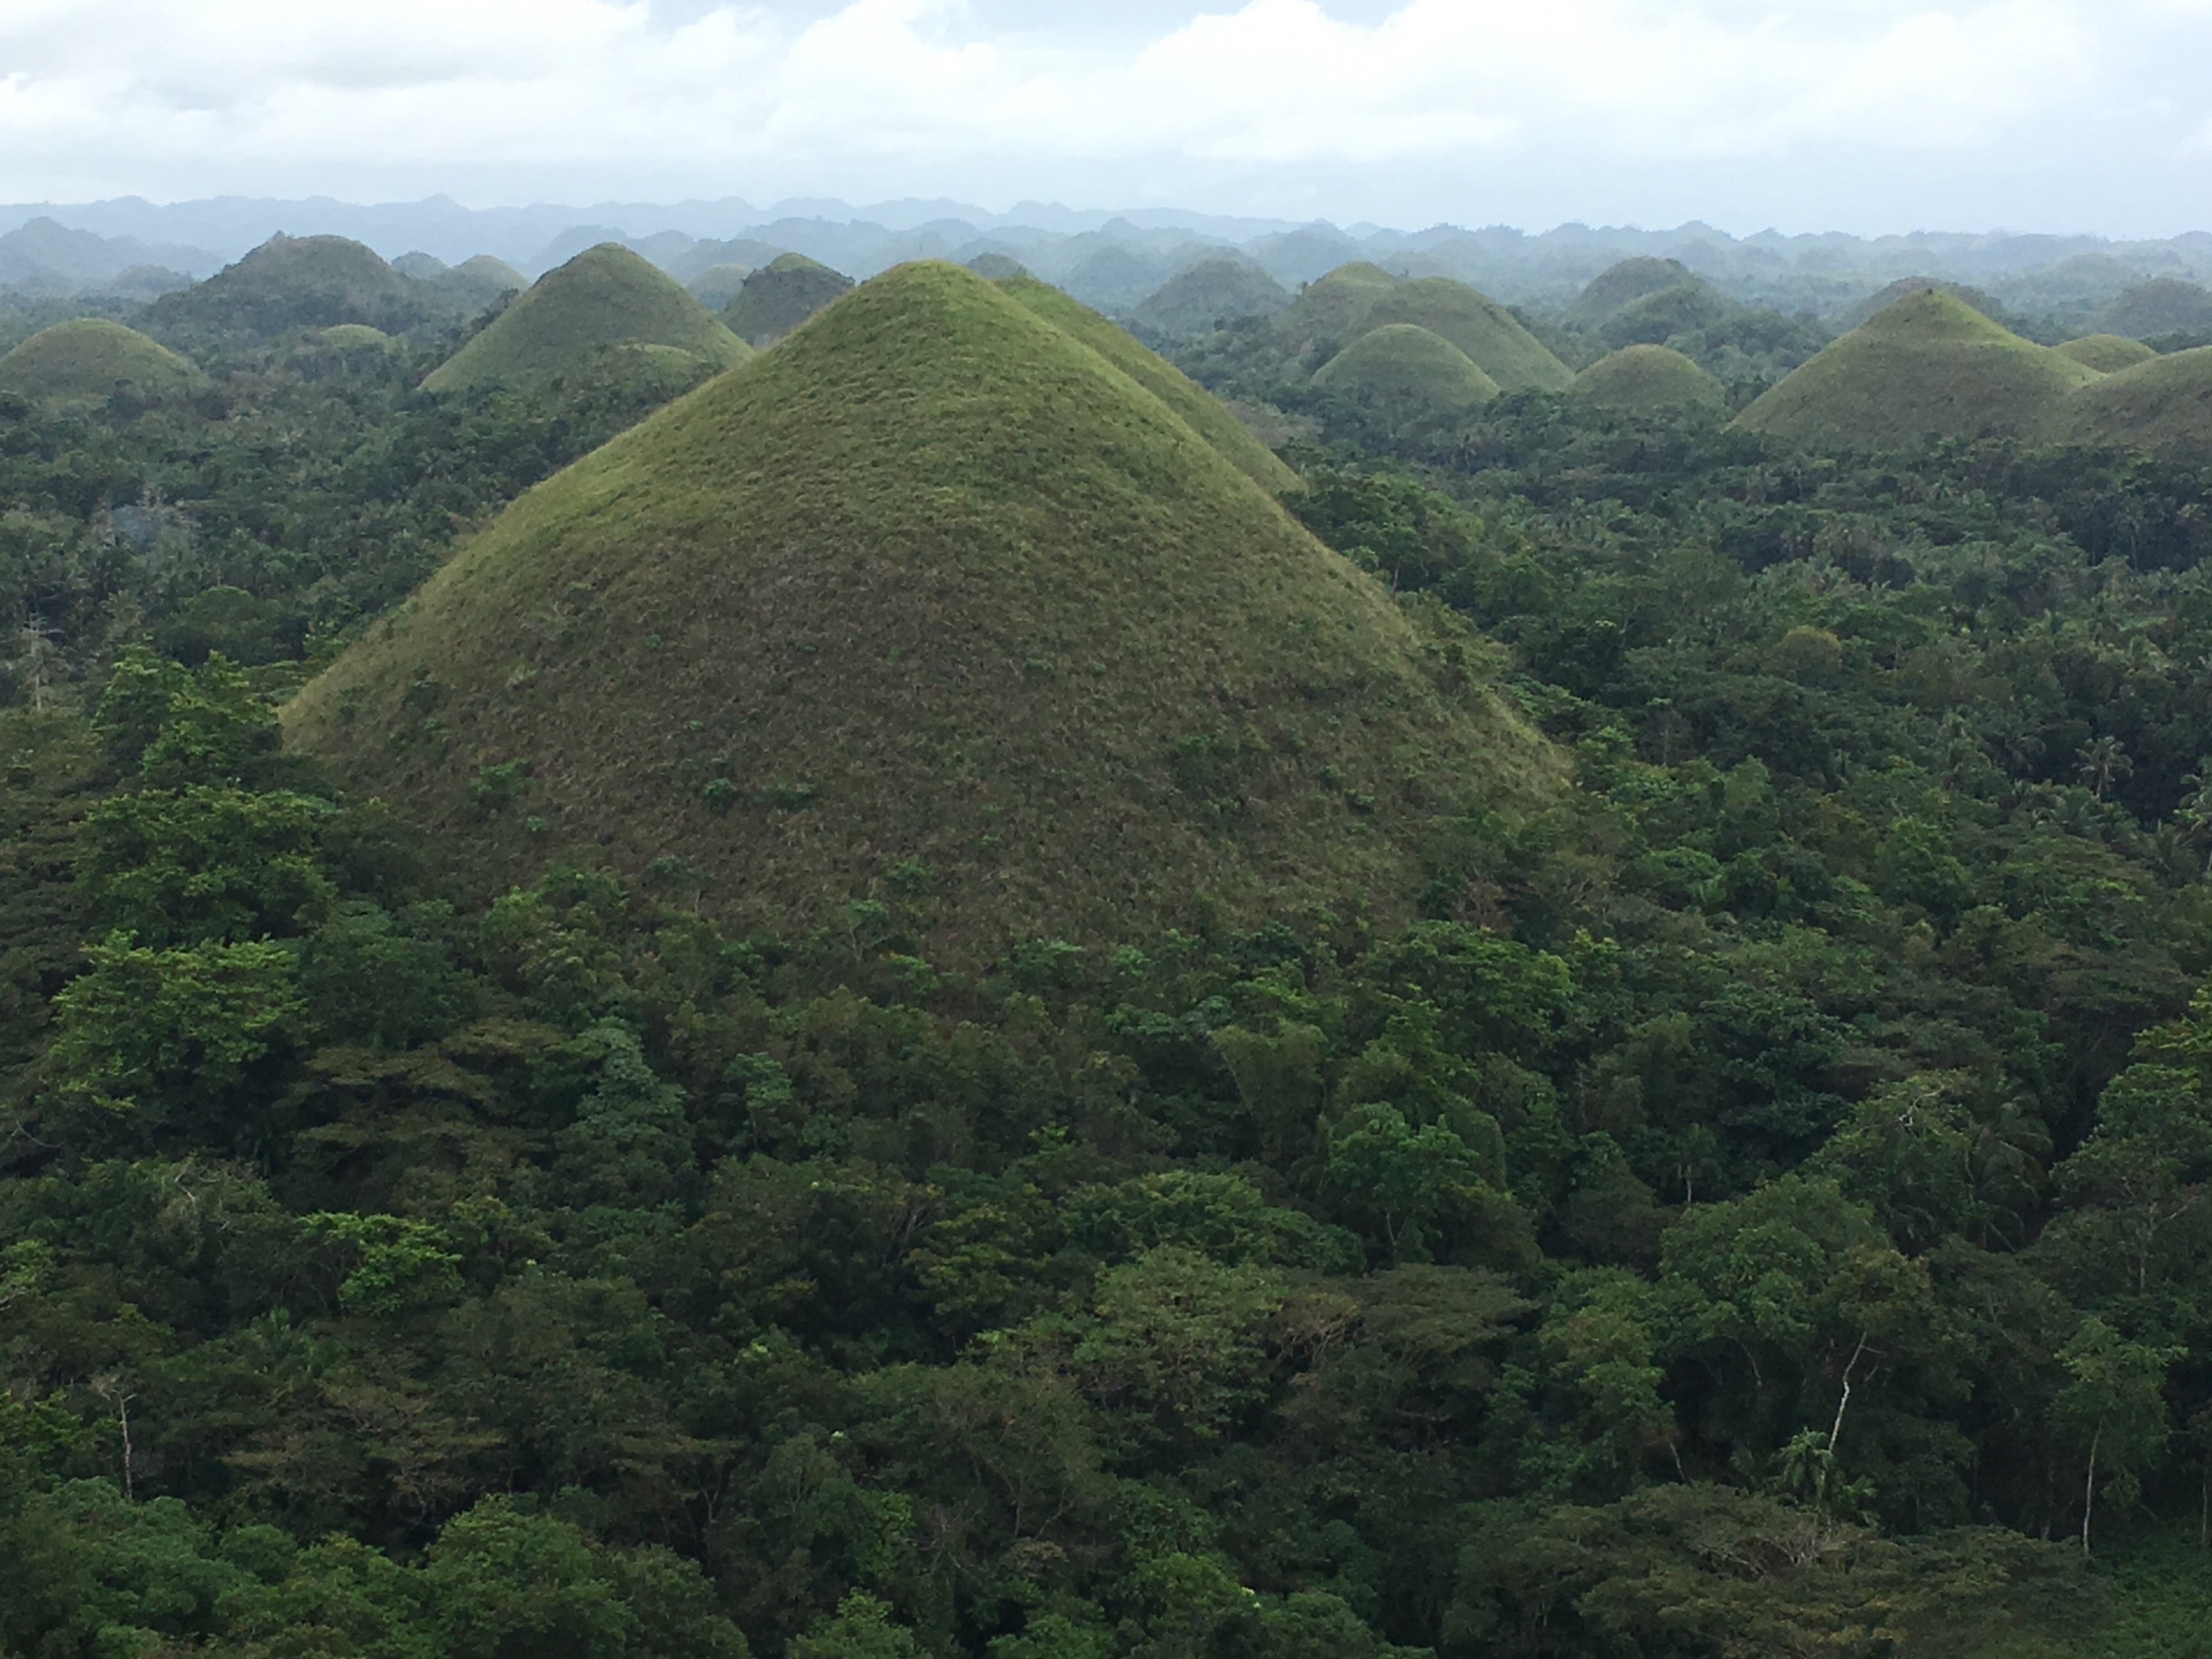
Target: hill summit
x,y
780,296
90,359
936,596
1926,368
606,299
297,282
1405,374
1197,301
1648,380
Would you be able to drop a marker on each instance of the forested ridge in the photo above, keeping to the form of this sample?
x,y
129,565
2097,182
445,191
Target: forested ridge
x,y
1753,1208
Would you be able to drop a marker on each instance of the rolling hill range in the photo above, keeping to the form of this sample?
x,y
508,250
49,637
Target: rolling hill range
x,y
605,300
1404,373
1494,340
1648,380
2163,404
1199,300
90,359
291,283
933,594
779,296
1926,367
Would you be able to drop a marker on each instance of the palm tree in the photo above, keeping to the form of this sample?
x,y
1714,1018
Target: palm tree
x,y
2105,762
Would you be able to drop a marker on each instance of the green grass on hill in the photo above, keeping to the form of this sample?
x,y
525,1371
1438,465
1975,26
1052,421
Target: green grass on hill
x,y
291,283
1199,300
1648,380
1199,408
90,359
2163,406
933,596
2106,353
1406,374
1623,284
1926,367
716,286
780,296
1478,325
1331,311
605,298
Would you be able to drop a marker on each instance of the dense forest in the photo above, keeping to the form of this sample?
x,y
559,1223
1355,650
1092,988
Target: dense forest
x,y
1748,1200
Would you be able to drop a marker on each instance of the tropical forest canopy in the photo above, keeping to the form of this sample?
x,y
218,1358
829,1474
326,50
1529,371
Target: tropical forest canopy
x,y
1432,976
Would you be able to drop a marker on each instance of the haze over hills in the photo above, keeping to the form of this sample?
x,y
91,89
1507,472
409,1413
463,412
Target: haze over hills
x,y
934,583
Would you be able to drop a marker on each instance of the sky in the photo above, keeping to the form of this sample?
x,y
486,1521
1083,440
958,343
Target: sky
x,y
1865,116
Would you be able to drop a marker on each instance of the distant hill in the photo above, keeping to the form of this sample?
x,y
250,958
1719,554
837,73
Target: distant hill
x,y
90,359
291,283
997,267
780,296
476,282
2163,406
1649,379
1331,311
1623,284
1491,336
716,286
2164,305
2106,353
606,298
1406,374
1666,313
349,348
1199,300
1928,367
1907,286
1200,410
932,595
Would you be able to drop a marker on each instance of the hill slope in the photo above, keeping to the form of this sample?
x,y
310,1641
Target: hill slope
x,y
2106,353
2164,405
1332,310
1928,367
1406,373
1201,299
780,296
932,588
291,283
1478,325
1200,411
1648,380
1905,288
90,359
606,297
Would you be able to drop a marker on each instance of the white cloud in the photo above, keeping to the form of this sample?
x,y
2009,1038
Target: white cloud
x,y
1274,97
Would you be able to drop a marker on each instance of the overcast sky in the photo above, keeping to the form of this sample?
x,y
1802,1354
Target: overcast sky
x,y
1857,115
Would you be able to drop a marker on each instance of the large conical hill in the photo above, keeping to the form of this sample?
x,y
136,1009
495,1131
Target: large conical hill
x,y
1491,336
1406,374
931,596
782,294
606,299
88,360
1649,379
1212,293
2106,353
2163,406
291,283
1204,414
1927,368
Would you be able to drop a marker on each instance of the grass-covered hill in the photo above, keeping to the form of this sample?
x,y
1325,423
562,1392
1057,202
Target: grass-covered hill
x,y
718,284
1648,380
1199,300
780,296
2163,406
2106,353
2164,305
1330,311
933,597
90,358
1905,288
291,283
1491,336
1202,412
606,299
477,282
1623,284
1405,374
1926,367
